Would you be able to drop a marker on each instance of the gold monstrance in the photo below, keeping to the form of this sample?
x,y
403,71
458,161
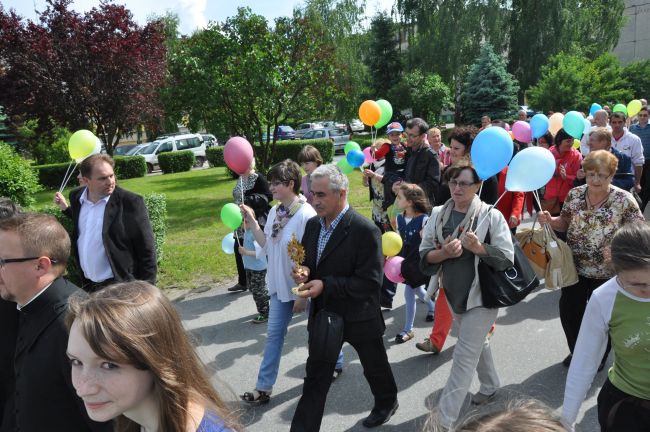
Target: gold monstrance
x,y
297,254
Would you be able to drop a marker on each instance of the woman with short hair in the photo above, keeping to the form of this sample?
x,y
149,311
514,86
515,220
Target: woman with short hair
x,y
133,363
591,215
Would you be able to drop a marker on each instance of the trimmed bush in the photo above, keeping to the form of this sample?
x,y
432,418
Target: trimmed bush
x,y
127,167
215,157
156,207
17,180
173,162
51,176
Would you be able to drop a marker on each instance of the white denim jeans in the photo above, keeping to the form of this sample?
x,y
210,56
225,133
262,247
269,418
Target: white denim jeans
x,y
471,353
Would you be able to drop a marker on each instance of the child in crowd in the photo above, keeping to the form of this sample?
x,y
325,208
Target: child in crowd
x,y
372,178
309,159
255,276
415,207
132,362
394,153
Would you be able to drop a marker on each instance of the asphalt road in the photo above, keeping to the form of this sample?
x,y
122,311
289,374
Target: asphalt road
x,y
528,347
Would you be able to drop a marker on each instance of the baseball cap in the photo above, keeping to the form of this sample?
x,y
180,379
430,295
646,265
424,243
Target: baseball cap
x,y
394,127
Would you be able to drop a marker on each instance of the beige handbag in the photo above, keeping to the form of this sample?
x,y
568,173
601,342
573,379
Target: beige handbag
x,y
533,243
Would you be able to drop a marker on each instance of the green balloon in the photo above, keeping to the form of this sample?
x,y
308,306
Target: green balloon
x,y
231,216
351,145
386,113
620,108
344,166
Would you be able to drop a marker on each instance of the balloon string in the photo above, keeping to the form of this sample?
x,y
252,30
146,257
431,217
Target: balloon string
x,y
64,177
67,180
241,183
487,213
480,189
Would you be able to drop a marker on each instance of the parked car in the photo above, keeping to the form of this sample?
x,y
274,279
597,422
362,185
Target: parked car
x,y
337,136
210,140
137,149
303,128
356,125
285,133
331,124
174,143
123,149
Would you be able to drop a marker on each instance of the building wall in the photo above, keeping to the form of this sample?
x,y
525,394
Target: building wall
x,y
634,42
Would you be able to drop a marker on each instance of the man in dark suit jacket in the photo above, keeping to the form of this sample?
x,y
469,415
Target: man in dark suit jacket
x,y
112,234
34,249
343,274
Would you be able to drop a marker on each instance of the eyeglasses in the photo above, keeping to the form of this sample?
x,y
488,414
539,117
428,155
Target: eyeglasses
x,y
410,135
3,262
278,183
594,176
460,184
632,286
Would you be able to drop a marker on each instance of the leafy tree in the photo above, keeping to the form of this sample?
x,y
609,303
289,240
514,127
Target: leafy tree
x,y
99,70
384,62
250,77
18,181
637,76
425,94
489,88
574,82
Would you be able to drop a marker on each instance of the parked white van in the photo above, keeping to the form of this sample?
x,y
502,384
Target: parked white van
x,y
172,143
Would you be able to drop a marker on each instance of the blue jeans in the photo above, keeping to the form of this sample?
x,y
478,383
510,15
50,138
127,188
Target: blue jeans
x,y
409,302
280,314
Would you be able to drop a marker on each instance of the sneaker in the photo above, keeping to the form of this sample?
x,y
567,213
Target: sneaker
x,y
482,399
386,304
404,337
430,317
260,319
237,288
427,346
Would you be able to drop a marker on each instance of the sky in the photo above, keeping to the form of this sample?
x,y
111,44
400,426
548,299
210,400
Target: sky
x,y
193,14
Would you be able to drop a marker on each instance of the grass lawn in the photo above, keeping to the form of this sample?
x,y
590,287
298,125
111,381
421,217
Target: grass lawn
x,y
192,254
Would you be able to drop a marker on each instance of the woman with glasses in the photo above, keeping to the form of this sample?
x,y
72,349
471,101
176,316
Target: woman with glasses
x,y
286,220
618,310
452,243
591,215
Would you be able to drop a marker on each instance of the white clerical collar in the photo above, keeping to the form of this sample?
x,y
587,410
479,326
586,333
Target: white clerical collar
x,y
19,307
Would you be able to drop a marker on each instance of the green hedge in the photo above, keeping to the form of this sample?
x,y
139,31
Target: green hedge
x,y
17,181
157,208
179,161
283,150
51,176
127,167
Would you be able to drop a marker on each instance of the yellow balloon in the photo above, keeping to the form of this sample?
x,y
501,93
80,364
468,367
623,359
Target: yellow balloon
x,y
82,144
391,243
576,144
633,107
555,122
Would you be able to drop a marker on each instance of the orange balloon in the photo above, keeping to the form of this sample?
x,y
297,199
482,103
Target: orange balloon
x,y
555,123
369,112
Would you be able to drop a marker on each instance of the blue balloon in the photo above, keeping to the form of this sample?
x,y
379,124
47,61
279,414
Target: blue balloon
x,y
228,244
574,124
491,151
587,127
594,107
530,169
538,125
355,158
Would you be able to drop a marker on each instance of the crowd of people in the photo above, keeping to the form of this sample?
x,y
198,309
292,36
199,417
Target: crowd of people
x,y
98,357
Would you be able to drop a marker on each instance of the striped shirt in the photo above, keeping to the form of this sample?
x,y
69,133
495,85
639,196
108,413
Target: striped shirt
x,y
325,233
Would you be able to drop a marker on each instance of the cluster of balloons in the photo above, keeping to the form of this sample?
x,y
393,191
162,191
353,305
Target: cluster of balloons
x,y
354,157
232,218
375,113
391,245
83,143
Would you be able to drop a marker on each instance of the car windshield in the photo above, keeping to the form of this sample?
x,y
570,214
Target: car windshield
x,y
150,148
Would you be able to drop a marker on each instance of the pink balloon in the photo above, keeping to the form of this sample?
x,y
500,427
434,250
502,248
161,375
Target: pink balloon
x,y
238,154
369,158
393,269
521,131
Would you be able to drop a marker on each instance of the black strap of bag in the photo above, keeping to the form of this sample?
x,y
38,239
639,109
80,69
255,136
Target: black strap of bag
x,y
510,286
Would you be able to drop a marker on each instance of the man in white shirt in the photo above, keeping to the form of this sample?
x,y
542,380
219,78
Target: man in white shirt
x,y
112,233
628,144
34,250
600,120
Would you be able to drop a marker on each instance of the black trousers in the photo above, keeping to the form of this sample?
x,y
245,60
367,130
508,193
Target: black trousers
x,y
241,271
620,412
376,369
573,303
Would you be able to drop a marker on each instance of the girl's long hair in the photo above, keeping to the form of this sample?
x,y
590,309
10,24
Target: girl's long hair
x,y
416,196
134,323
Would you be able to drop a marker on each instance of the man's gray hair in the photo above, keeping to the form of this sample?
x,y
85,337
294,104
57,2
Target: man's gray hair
x,y
338,180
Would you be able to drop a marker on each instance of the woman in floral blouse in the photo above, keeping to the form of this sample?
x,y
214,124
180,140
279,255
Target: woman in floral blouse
x,y
591,214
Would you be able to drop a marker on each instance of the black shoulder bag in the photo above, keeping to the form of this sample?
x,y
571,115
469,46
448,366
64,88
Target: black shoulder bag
x,y
326,335
510,286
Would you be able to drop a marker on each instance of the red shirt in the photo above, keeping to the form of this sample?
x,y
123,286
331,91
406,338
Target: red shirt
x,y
557,186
